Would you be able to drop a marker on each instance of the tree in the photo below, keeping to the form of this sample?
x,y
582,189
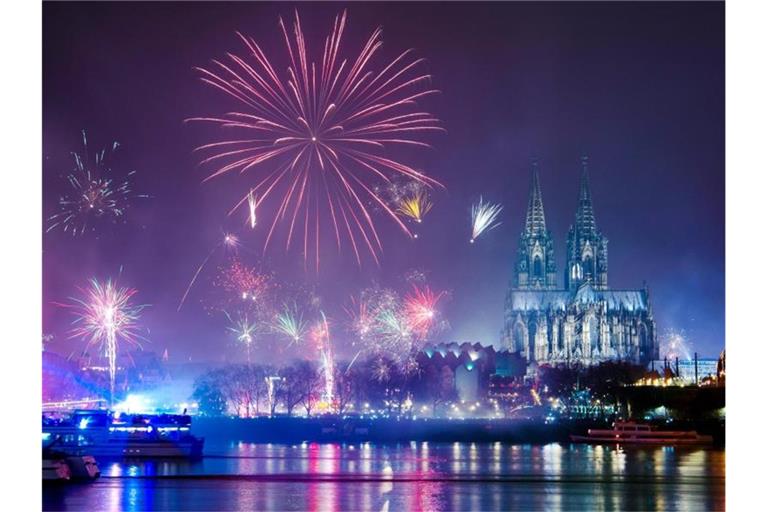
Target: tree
x,y
289,389
559,380
606,378
308,379
349,385
253,386
207,393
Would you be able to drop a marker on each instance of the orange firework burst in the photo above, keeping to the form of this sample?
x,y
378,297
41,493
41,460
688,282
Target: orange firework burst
x,y
322,136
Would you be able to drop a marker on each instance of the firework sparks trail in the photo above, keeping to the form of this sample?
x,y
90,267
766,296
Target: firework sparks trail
x,y
229,241
321,336
379,325
244,283
352,362
675,343
382,369
290,323
415,206
394,331
252,209
106,316
361,321
325,132
421,310
484,218
245,332
93,192
415,276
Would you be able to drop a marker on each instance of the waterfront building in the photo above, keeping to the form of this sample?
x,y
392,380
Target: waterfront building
x,y
688,370
471,366
584,321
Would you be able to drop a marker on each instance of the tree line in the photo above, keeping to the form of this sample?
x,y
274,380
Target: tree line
x,y
248,390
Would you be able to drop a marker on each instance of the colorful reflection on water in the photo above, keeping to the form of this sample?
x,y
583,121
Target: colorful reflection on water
x,y
410,476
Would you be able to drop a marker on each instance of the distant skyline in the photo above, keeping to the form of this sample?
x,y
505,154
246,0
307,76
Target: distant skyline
x,y
637,87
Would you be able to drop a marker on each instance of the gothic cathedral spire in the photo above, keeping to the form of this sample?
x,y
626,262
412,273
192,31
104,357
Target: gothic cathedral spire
x,y
535,267
535,222
587,248
585,215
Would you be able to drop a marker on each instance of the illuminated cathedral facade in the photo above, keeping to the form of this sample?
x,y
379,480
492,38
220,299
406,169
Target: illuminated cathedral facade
x,y
583,322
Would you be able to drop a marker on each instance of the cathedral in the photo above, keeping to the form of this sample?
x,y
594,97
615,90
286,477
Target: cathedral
x,y
584,321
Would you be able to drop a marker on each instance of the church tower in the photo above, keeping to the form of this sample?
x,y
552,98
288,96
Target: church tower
x,y
586,248
535,269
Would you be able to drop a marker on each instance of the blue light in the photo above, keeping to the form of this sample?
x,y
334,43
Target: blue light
x,y
83,423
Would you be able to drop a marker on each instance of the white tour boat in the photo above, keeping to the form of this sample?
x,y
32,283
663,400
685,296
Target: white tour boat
x,y
100,433
629,432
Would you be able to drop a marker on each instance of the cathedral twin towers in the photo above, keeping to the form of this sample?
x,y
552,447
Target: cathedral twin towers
x,y
584,322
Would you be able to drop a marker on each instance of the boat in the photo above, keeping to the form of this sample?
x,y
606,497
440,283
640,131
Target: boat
x,y
59,466
630,432
103,434
55,467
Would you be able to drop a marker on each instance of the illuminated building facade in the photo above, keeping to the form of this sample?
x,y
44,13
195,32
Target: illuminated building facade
x,y
584,322
470,366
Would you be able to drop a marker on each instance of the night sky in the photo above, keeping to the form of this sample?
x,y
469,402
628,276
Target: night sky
x,y
639,87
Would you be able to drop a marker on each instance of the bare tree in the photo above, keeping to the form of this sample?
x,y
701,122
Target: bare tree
x,y
289,389
347,382
308,379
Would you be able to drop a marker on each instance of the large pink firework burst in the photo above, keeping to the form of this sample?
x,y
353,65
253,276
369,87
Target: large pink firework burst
x,y
322,136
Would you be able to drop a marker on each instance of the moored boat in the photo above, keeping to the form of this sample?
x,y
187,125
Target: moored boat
x,y
55,468
629,432
100,433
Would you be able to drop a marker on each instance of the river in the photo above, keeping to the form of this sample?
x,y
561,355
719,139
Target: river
x,y
408,476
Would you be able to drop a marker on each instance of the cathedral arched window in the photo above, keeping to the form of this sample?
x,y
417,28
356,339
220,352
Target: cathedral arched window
x,y
594,335
518,338
538,271
588,266
642,334
576,271
532,328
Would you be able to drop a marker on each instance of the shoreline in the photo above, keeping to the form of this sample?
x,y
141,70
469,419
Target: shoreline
x,y
336,429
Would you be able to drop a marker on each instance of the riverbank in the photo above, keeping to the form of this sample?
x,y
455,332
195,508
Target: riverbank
x,y
389,430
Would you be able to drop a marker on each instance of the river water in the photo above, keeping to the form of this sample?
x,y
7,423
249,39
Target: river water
x,y
409,476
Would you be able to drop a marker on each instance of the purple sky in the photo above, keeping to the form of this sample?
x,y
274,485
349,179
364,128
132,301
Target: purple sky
x,y
639,87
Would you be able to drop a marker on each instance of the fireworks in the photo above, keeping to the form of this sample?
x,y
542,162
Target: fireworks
x,y
244,283
323,134
415,206
93,193
320,334
382,369
386,325
484,218
674,343
107,316
251,209
415,276
228,241
291,324
393,330
245,332
421,310
361,320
